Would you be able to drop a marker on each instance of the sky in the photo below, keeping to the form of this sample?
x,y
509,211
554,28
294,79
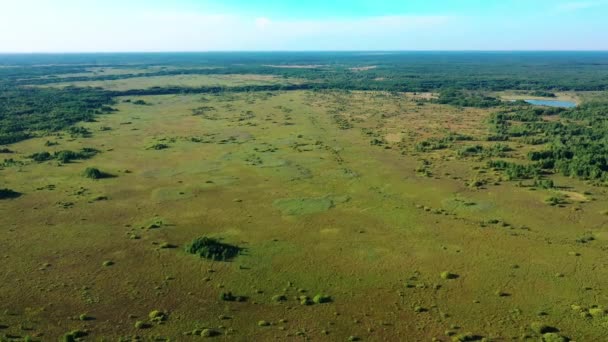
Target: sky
x,y
301,25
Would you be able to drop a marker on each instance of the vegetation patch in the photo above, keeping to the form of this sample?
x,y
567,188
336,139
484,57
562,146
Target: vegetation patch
x,y
8,193
94,173
65,156
213,249
304,206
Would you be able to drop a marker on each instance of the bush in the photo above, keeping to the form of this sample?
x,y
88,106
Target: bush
x,y
159,147
210,248
448,275
320,299
8,193
94,173
65,156
41,156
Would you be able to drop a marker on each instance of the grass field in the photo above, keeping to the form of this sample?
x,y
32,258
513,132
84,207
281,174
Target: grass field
x,y
144,82
325,194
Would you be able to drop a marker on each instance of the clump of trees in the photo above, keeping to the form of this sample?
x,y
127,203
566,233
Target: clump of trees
x,y
24,112
576,145
65,156
8,193
464,98
95,173
214,249
433,144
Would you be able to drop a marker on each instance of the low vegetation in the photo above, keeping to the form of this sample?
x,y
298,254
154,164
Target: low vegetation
x,y
212,248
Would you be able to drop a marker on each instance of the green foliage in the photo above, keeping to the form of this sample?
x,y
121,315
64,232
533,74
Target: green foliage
x,y
516,171
27,111
556,200
496,150
159,146
320,299
229,297
213,249
576,149
449,275
8,193
463,98
94,173
41,156
74,335
77,131
65,156
157,316
433,144
544,183
542,93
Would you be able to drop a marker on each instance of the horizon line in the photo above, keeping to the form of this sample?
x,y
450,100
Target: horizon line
x,y
280,51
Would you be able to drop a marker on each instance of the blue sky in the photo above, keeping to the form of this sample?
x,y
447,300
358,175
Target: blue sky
x,y
214,25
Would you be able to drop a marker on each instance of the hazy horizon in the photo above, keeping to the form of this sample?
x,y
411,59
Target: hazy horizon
x,y
111,26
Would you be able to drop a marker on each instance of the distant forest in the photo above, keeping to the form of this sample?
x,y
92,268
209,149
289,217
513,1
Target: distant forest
x,y
461,78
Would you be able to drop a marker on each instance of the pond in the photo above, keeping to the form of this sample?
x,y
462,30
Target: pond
x,y
552,103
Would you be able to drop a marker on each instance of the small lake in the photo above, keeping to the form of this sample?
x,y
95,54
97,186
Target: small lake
x,y
552,103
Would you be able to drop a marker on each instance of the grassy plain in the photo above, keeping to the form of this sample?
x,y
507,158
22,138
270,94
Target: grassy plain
x,y
145,82
324,192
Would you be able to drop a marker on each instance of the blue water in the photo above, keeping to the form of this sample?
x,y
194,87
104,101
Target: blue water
x,y
552,103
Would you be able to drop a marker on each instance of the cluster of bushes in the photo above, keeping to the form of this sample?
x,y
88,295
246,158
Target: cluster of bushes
x,y
433,144
496,150
65,156
8,193
576,145
95,173
463,98
516,171
542,93
214,249
24,112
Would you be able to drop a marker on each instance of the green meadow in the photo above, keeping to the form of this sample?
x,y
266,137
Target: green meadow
x,y
304,214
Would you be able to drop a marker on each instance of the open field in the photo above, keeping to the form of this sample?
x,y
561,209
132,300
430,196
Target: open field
x,y
180,81
418,214
274,174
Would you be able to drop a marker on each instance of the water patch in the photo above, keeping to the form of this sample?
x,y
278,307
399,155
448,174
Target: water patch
x,y
552,103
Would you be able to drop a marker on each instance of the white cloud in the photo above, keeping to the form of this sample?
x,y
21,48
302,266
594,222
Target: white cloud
x,y
262,23
48,28
578,5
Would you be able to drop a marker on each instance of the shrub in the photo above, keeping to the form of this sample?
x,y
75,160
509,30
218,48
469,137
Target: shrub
x,y
94,173
8,193
209,333
77,131
159,147
279,298
541,328
41,156
449,275
229,297
74,335
555,200
320,299
157,316
210,248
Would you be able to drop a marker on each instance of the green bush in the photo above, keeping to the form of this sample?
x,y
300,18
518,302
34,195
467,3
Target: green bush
x,y
210,248
8,193
94,173
159,147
